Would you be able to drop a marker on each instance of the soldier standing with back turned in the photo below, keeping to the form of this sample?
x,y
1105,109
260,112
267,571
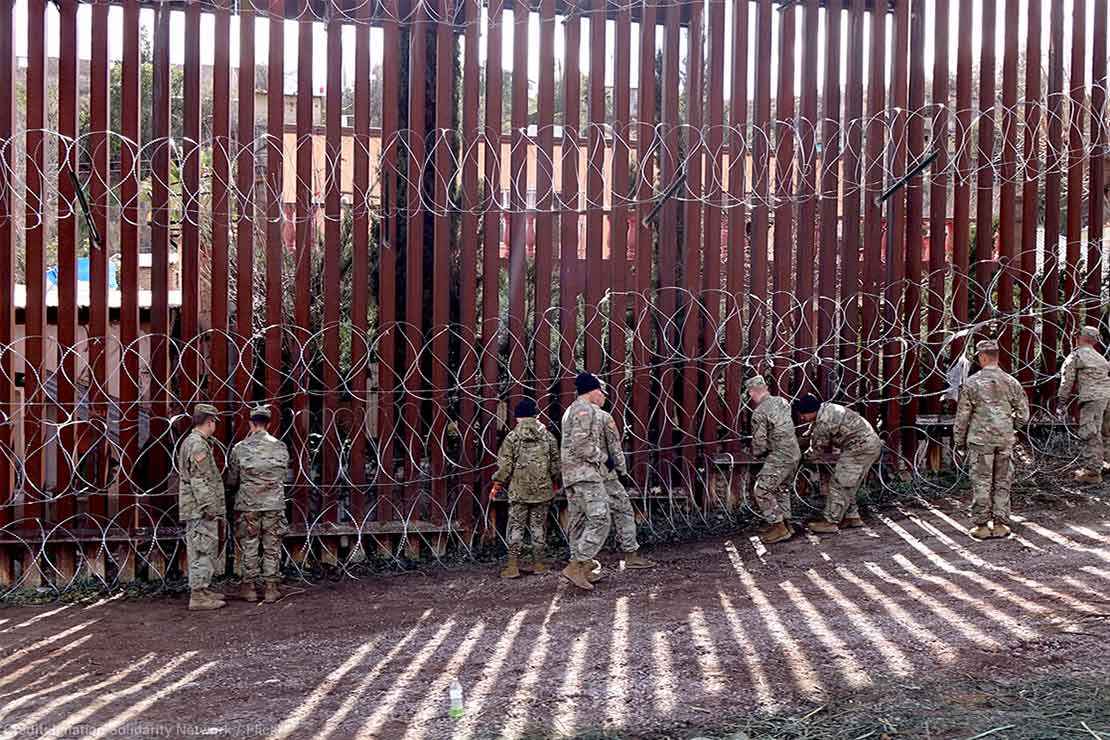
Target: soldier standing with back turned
x,y
1088,372
200,504
991,403
583,468
257,467
773,436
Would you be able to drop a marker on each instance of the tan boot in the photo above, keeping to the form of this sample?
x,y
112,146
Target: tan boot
x,y
1000,531
539,563
247,592
851,522
980,532
594,572
511,569
575,572
636,560
202,600
273,592
820,526
777,532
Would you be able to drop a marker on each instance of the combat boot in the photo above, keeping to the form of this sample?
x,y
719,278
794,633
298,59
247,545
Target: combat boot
x,y
851,522
594,572
1000,531
575,572
636,560
511,569
1093,477
980,532
539,560
273,592
777,532
202,600
247,592
820,526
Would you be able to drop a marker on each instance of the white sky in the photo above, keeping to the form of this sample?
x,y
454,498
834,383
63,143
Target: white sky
x,y
177,49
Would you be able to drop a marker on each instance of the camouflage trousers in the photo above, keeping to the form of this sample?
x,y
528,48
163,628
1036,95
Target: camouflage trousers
x,y
992,473
1094,431
624,518
202,546
532,517
588,509
849,474
261,531
773,488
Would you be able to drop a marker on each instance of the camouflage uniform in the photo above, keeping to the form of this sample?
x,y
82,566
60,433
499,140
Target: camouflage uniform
x,y
859,445
583,470
200,503
257,467
1087,371
620,506
529,461
773,436
991,401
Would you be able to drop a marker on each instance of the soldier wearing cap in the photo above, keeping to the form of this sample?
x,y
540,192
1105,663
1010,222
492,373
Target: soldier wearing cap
x,y
200,504
840,427
991,403
773,437
256,467
583,470
1087,372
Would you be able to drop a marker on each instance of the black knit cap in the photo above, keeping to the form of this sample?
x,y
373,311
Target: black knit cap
x,y
586,382
807,404
526,408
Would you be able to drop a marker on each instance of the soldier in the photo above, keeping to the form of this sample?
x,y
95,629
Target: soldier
x,y
257,467
1088,372
529,462
616,480
859,445
773,436
200,504
583,468
991,402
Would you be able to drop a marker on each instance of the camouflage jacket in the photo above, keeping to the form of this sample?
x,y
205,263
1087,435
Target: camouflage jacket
x,y
612,447
773,430
837,426
991,401
582,456
529,461
257,467
200,489
1088,373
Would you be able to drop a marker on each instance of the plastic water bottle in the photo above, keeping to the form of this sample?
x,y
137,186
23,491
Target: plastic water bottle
x,y
455,691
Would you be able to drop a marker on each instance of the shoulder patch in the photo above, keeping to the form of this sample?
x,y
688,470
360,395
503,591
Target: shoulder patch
x,y
583,413
199,457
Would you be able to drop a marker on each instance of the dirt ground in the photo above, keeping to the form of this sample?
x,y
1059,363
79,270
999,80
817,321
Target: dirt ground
x,y
905,629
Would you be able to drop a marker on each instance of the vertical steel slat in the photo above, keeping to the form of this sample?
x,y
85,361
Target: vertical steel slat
x,y
1076,156
806,186
854,184
872,213
390,215
1054,157
1096,181
305,239
938,207
333,215
99,187
761,174
441,254
595,186
711,283
68,216
783,324
218,377
7,260
984,198
130,111
896,225
518,204
190,224
274,193
737,243
618,217
961,203
246,215
1029,197
911,306
1007,205
831,244
360,274
34,312
668,228
161,454
642,304
545,184
692,238
568,221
